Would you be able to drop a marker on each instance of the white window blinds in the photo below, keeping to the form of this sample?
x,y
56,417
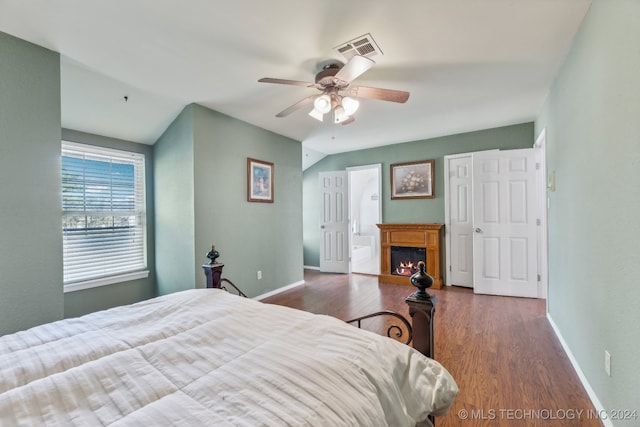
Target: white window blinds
x,y
103,212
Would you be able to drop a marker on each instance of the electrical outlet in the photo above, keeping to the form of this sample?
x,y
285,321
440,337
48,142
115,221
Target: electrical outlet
x,y
607,362
259,274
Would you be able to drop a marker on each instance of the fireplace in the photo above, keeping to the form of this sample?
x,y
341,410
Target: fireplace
x,y
404,260
402,246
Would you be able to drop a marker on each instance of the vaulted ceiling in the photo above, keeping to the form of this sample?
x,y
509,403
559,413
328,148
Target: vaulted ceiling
x,y
468,64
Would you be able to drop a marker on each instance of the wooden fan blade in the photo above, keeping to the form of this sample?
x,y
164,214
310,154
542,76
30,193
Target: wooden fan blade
x,y
286,82
306,101
377,93
351,119
357,65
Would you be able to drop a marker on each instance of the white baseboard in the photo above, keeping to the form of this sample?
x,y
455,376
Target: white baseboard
x,y
277,291
592,394
311,267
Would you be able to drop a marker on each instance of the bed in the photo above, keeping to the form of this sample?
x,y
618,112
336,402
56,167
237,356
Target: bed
x,y
207,357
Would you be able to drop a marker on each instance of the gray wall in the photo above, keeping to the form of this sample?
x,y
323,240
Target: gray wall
x,y
84,301
30,190
592,124
403,211
211,200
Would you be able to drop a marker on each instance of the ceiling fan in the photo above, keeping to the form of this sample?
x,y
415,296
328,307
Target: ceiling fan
x,y
337,95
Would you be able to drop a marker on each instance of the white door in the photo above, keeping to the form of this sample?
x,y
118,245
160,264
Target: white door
x,y
334,225
459,226
504,220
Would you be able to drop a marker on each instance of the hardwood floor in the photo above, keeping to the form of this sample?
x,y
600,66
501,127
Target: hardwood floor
x,y
504,355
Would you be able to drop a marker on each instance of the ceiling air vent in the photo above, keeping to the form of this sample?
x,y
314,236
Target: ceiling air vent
x,y
363,45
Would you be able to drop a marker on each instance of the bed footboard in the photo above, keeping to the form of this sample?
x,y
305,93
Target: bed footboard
x,y
419,331
213,274
421,309
235,288
402,332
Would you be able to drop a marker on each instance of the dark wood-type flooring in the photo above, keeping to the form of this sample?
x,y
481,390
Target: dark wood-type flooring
x,y
502,351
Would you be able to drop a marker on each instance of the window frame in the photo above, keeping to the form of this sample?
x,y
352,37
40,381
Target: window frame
x,y
139,229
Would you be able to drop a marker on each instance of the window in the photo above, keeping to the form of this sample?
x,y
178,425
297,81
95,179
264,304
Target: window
x,y
103,216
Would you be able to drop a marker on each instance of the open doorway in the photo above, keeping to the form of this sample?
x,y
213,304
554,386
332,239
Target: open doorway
x,y
365,212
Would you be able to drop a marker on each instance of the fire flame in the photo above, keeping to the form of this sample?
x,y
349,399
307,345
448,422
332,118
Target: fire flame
x,y
407,268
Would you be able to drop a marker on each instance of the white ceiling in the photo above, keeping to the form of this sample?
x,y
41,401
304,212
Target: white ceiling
x,y
468,64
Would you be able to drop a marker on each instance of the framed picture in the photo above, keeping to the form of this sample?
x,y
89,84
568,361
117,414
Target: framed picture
x,y
413,180
259,181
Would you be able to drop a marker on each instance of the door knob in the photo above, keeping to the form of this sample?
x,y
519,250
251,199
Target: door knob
x,y
322,226
478,230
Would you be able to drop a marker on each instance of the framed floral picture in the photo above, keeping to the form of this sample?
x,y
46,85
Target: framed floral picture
x,y
259,181
412,180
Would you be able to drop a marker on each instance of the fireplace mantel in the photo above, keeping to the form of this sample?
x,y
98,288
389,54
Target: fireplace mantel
x,y
428,236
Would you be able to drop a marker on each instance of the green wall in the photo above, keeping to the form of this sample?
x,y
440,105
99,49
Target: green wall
x,y
174,205
30,194
403,211
592,126
84,301
205,166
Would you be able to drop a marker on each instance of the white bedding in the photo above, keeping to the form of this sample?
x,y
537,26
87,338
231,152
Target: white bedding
x,y
206,357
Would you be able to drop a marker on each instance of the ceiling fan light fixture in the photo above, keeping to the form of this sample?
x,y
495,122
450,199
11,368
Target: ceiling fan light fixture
x,y
339,114
336,78
322,104
350,105
316,114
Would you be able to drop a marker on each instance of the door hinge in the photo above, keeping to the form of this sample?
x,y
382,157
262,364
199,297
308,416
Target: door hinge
x,y
450,269
537,166
539,278
538,222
